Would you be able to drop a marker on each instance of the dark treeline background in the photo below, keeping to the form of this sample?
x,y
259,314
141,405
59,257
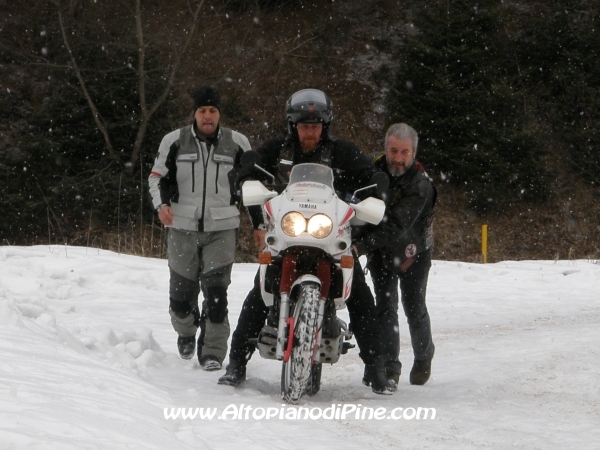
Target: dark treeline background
x,y
504,94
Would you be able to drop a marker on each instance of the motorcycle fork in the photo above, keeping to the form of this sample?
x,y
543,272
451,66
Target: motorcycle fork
x,y
288,276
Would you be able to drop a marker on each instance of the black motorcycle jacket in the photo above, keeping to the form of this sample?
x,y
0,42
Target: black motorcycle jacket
x,y
406,229
351,168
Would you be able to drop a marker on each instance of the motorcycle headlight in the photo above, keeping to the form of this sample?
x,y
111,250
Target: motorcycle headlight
x,y
319,226
293,224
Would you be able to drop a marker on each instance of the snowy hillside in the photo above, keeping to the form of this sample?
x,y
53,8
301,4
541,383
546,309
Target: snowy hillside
x,y
88,361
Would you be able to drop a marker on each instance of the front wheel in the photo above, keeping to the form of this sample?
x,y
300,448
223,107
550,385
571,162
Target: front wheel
x,y
297,373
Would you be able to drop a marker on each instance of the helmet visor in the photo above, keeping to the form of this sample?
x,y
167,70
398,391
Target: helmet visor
x,y
309,96
309,106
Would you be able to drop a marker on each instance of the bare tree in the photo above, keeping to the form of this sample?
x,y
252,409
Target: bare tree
x,y
100,123
146,110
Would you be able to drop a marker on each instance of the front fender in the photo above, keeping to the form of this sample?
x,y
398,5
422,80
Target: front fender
x,y
304,278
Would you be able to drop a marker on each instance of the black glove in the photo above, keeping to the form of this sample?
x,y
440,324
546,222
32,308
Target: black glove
x,y
382,181
249,159
244,172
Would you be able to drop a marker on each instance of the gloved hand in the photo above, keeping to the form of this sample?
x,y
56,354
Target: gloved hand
x,y
382,181
249,159
245,171
236,178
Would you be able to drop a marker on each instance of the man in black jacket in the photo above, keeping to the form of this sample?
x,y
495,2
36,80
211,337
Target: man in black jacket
x,y
309,113
399,249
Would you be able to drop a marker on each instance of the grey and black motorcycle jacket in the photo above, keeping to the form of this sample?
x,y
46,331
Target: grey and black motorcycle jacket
x,y
191,175
351,168
406,229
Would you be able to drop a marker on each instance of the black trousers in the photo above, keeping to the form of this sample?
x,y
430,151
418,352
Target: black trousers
x,y
361,309
413,286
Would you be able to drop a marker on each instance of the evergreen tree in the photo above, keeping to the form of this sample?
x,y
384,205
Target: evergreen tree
x,y
560,50
62,173
58,164
457,87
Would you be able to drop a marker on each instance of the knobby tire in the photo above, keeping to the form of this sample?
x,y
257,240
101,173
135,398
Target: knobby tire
x,y
296,373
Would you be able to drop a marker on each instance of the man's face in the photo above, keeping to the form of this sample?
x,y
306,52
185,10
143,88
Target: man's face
x,y
309,135
207,120
399,155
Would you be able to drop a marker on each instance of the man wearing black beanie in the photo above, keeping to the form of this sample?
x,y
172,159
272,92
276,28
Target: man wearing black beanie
x,y
190,191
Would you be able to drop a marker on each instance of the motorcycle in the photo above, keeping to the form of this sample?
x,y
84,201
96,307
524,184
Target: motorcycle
x,y
306,272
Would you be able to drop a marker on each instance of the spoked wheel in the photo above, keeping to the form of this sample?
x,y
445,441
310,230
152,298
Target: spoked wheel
x,y
296,373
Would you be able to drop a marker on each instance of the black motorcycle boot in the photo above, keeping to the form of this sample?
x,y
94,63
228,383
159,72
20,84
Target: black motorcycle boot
x,y
368,375
392,376
421,370
375,377
235,374
186,346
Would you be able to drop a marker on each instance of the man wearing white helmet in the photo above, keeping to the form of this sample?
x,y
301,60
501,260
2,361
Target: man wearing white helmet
x,y
309,115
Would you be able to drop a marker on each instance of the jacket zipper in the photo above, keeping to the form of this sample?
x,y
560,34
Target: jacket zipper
x,y
204,163
193,177
217,180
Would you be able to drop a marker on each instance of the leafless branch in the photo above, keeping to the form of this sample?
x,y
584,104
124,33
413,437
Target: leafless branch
x,y
141,57
302,44
146,113
97,118
52,66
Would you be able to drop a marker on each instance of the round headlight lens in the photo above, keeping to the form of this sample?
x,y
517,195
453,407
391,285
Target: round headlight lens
x,y
293,224
320,226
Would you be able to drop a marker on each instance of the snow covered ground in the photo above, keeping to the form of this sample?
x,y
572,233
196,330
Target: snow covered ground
x,y
88,361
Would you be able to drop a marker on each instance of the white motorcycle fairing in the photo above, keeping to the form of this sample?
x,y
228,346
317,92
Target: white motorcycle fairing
x,y
306,272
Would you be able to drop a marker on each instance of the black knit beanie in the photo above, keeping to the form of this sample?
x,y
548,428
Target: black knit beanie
x,y
207,96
